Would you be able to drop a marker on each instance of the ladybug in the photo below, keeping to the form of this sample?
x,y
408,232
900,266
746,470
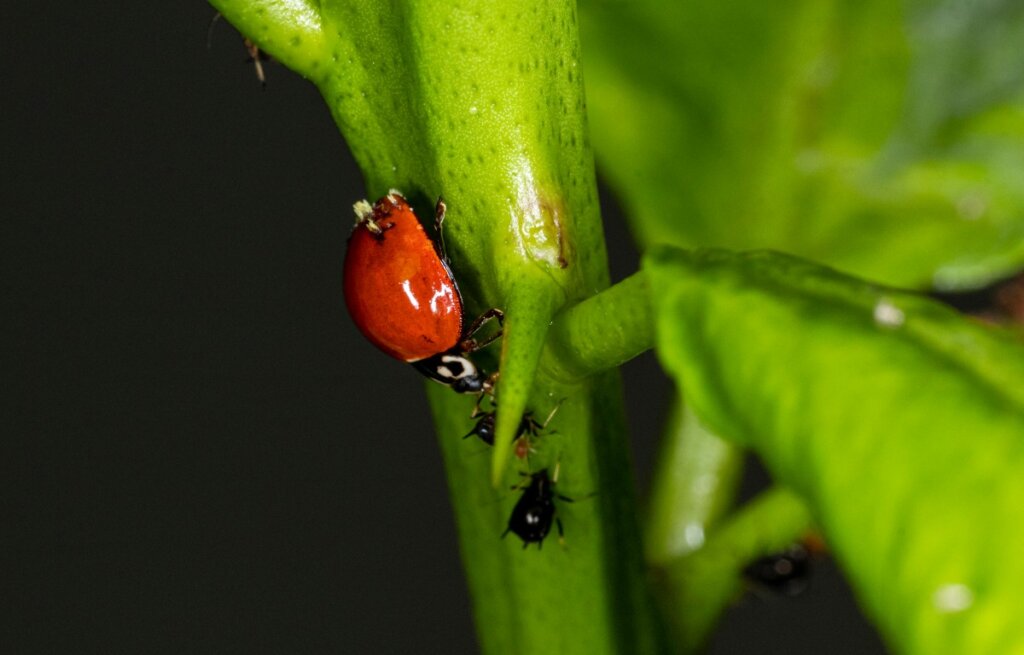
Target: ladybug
x,y
403,297
534,512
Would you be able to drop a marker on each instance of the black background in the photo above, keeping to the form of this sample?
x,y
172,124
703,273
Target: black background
x,y
200,453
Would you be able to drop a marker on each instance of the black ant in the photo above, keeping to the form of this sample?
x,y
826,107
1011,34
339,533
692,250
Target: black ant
x,y
535,510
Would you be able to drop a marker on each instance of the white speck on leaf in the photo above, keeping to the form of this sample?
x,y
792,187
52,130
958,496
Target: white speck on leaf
x,y
693,534
971,206
951,598
887,314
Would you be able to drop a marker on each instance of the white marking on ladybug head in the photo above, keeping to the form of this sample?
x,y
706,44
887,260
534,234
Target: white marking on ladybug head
x,y
465,367
394,195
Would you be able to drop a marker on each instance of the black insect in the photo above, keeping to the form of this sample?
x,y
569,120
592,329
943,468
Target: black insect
x,y
529,429
534,512
787,573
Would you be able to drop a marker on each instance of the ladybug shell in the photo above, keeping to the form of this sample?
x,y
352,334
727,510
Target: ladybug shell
x,y
399,291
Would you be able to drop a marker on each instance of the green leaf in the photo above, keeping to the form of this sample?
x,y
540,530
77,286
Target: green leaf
x,y
884,138
901,423
698,587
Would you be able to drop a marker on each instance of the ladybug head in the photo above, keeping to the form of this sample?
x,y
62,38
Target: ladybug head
x,y
456,370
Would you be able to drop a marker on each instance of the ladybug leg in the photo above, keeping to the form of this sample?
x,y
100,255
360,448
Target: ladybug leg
x,y
469,344
561,532
440,209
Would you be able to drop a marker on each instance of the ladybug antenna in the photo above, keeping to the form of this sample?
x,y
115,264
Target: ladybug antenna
x,y
440,209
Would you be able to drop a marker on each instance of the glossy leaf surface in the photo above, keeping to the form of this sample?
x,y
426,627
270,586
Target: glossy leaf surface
x,y
900,421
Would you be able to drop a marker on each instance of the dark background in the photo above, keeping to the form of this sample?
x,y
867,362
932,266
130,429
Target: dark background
x,y
200,453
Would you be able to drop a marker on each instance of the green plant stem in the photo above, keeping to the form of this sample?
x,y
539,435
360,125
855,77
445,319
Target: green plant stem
x,y
481,102
899,420
602,332
696,588
695,482
589,596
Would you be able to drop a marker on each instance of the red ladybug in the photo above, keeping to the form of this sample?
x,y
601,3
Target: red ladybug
x,y
403,297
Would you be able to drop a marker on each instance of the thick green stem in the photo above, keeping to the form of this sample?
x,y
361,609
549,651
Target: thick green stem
x,y
481,102
602,332
694,486
589,596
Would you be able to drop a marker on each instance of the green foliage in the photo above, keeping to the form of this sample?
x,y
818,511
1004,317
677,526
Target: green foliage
x,y
883,138
698,586
482,103
901,422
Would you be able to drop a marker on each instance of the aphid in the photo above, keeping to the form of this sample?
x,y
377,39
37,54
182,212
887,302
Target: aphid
x,y
529,429
256,56
534,512
786,573
403,298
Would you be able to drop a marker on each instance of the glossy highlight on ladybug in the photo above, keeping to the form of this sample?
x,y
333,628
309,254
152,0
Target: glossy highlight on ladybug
x,y
403,297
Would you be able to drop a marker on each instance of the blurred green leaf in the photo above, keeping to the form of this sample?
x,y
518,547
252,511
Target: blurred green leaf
x,y
697,587
900,422
884,138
